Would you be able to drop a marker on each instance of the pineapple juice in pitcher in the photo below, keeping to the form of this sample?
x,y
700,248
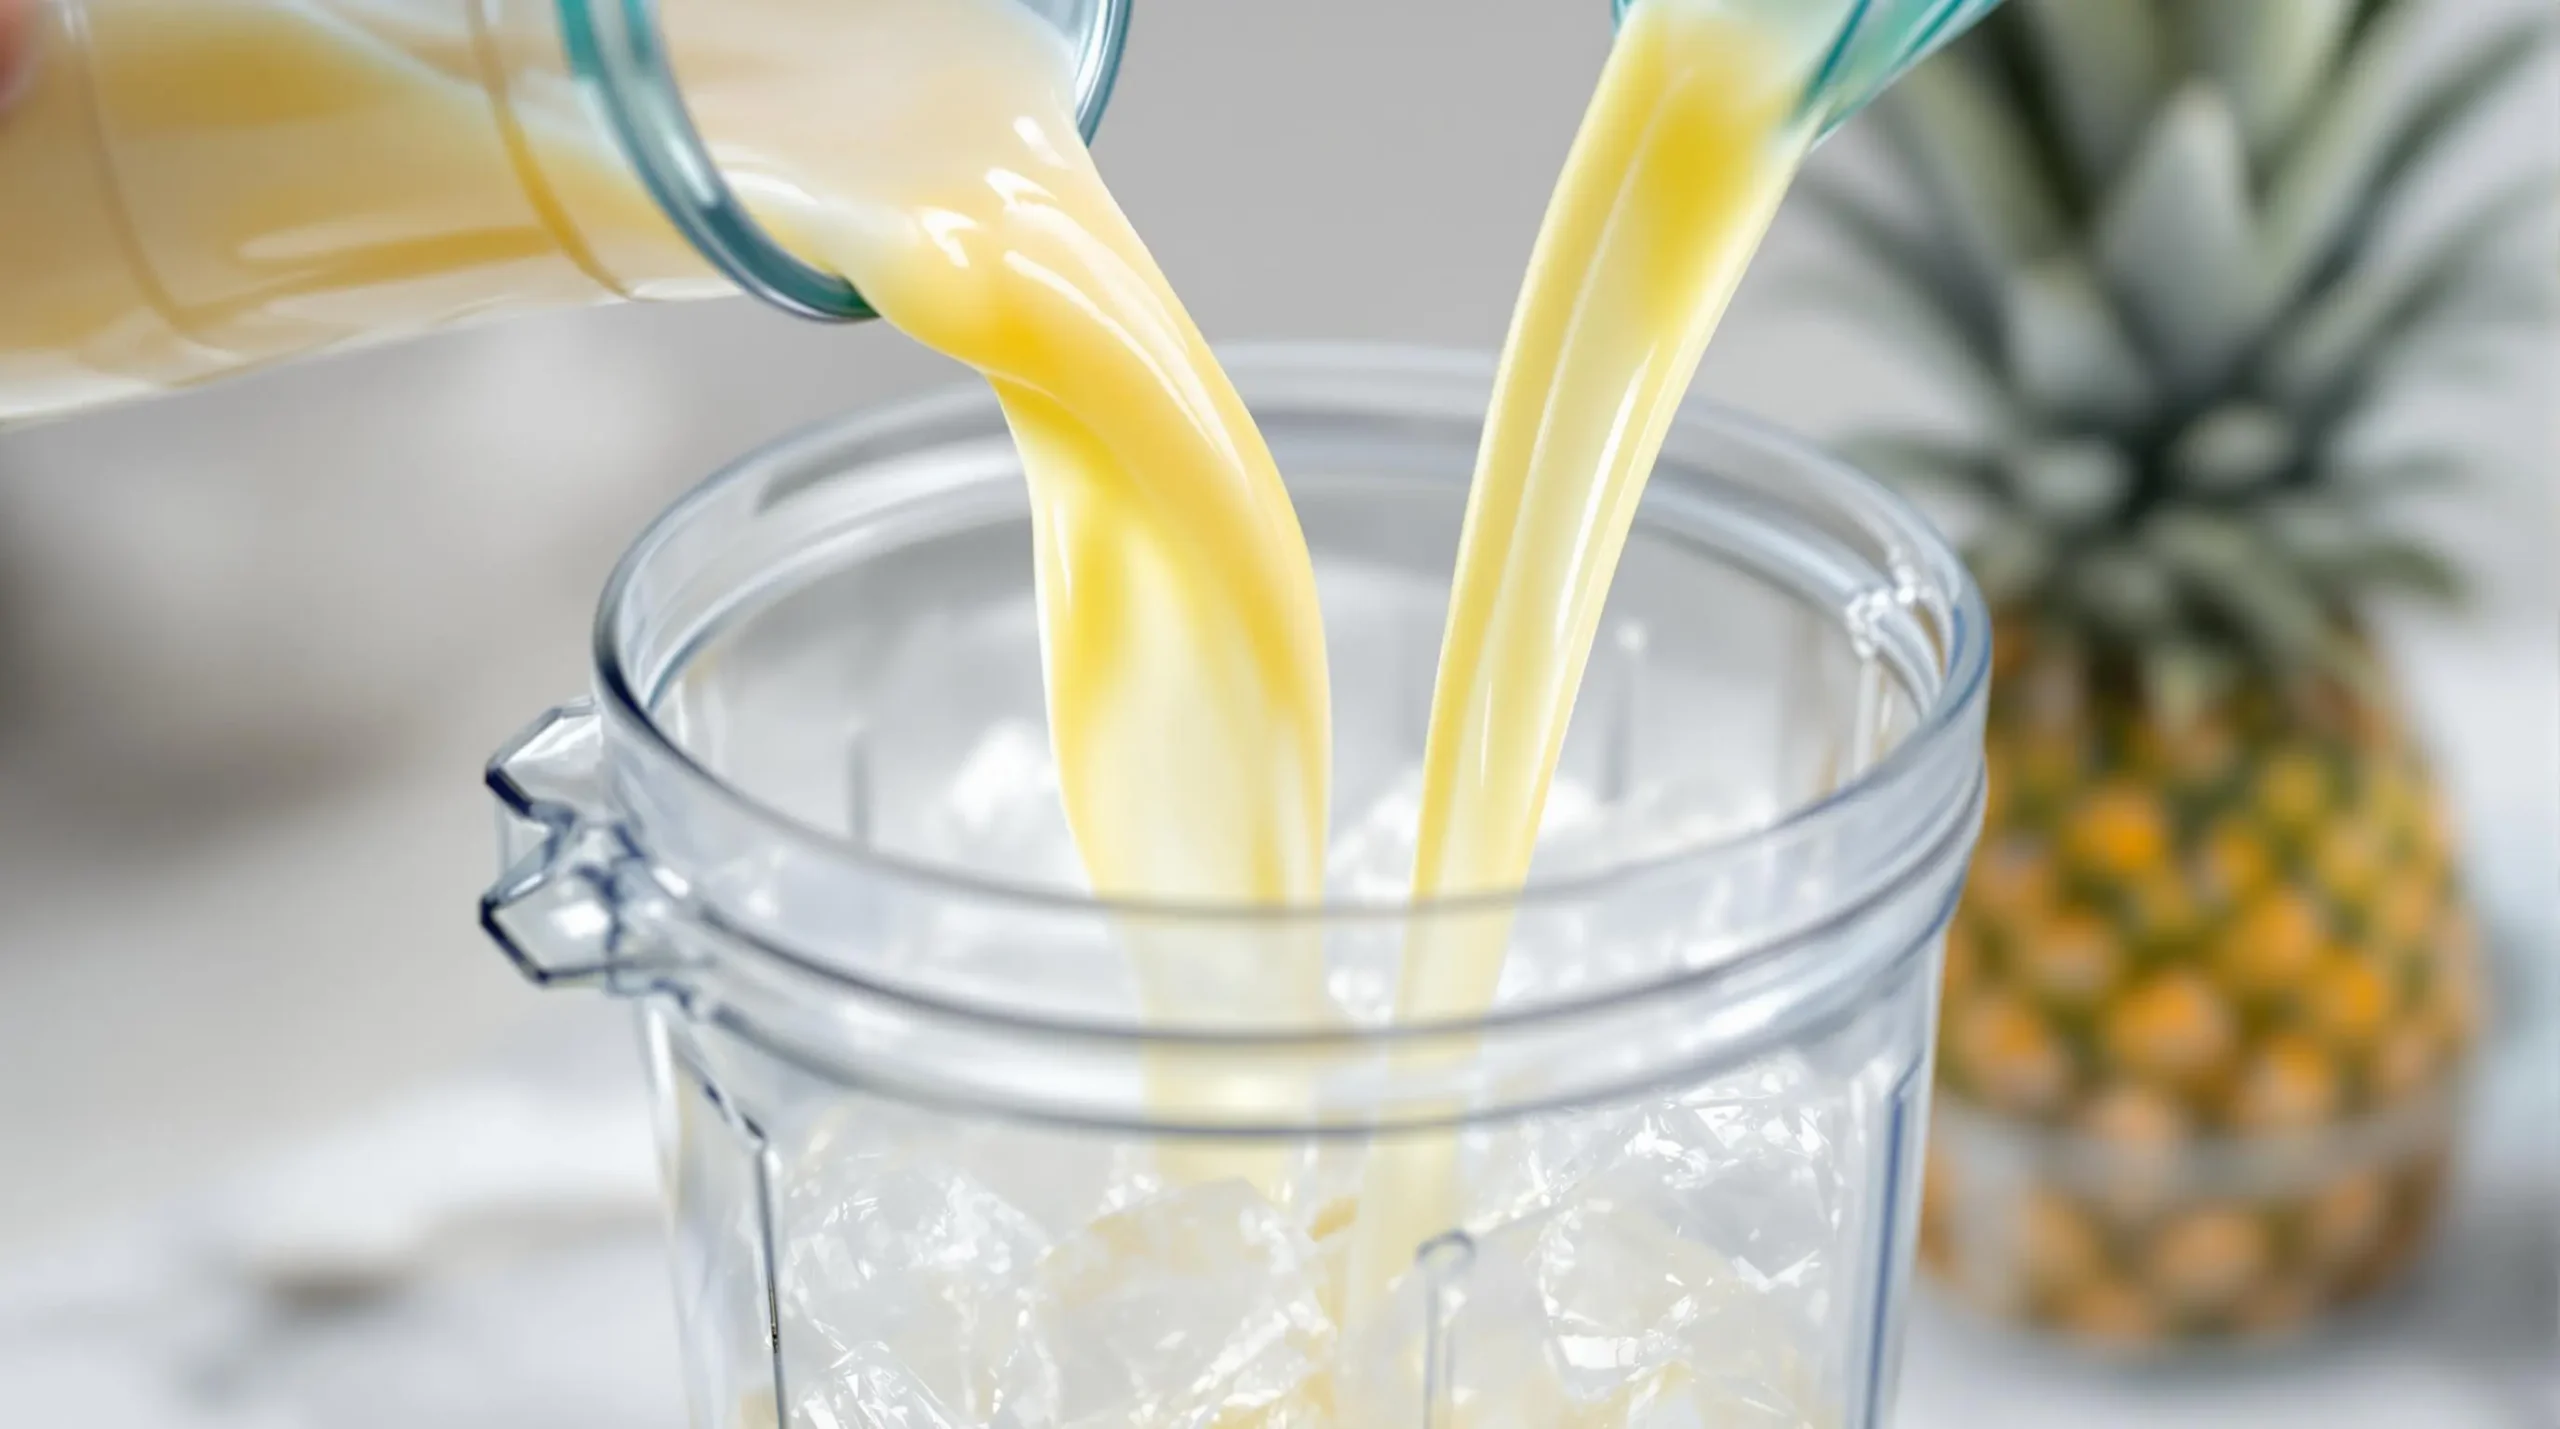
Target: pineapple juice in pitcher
x,y
198,187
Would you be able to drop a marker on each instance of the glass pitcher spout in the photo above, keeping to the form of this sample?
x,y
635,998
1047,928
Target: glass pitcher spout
x,y
191,189
1870,44
616,49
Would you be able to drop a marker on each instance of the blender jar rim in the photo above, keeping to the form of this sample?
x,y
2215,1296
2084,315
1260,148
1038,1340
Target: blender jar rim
x,y
1317,369
1905,821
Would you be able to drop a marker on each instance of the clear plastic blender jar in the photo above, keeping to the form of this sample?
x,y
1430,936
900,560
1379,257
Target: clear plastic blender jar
x,y
918,1170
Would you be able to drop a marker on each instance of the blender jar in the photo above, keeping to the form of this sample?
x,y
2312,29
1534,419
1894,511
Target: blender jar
x,y
198,186
921,1162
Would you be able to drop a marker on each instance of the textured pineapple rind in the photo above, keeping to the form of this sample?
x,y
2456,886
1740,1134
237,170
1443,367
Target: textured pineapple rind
x,y
2176,261
2210,998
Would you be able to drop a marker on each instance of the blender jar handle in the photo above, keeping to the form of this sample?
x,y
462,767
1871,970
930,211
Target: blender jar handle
x,y
576,903
615,49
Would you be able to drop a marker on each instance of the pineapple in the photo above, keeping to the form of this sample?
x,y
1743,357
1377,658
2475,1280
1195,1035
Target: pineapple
x,y
2213,981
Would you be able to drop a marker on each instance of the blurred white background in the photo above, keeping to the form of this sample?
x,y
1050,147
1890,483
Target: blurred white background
x,y
255,641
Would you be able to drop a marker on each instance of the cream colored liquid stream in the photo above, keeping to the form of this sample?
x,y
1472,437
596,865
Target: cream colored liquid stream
x,y
1680,165
1182,646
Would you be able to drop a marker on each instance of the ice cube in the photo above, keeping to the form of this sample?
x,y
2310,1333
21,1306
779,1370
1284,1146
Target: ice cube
x,y
1755,1160
867,1388
889,1257
1199,1306
1370,858
1760,1161
1621,1285
1633,1297
1516,1169
1696,1234
1579,832
1002,812
1062,1178
1584,834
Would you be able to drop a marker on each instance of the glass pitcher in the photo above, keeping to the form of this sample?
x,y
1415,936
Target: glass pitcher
x,y
192,187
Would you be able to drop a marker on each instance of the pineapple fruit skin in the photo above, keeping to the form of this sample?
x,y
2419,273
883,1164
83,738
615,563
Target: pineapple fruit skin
x,y
2208,1004
2175,264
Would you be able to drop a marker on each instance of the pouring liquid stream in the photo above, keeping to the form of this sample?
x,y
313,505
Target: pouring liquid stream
x,y
1182,646
1682,160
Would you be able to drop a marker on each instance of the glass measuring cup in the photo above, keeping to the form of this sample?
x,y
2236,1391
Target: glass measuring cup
x,y
805,824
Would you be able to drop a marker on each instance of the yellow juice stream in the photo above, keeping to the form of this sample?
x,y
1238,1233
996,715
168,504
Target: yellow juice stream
x,y
1182,645
1680,165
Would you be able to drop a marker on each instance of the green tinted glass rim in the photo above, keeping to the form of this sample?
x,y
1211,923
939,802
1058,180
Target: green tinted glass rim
x,y
619,56
1879,41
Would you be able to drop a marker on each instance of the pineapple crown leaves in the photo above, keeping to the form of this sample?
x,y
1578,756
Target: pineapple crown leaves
x,y
2147,242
